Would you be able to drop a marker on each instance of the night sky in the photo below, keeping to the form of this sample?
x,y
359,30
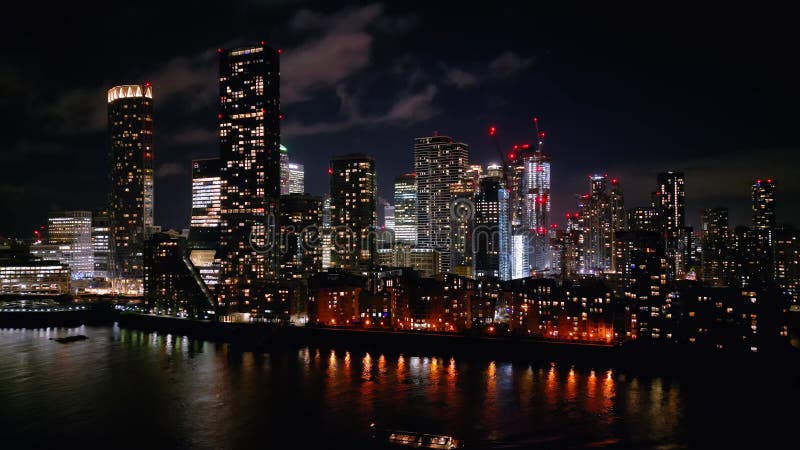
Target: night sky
x,y
628,92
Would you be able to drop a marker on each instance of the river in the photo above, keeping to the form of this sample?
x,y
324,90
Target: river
x,y
131,389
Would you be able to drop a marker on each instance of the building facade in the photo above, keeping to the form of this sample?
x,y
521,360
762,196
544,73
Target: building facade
x,y
71,231
440,163
300,226
249,133
353,211
405,209
130,130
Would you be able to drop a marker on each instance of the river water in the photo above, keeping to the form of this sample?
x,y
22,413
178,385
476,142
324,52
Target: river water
x,y
132,389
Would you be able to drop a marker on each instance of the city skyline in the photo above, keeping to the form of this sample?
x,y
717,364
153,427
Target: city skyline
x,y
666,134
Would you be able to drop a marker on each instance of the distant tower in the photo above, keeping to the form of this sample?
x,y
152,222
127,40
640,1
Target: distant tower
x,y
536,191
440,163
296,178
101,244
130,130
353,190
405,209
204,233
764,204
72,232
487,227
670,203
284,162
715,234
249,136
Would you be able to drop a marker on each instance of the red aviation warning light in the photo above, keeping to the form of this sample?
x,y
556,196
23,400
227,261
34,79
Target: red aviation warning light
x,y
263,43
540,230
330,171
769,180
542,199
614,181
526,145
492,130
511,155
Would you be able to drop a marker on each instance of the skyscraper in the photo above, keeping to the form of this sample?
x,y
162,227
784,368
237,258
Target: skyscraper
x,y
714,234
296,178
388,217
72,232
284,162
101,244
487,227
206,190
405,209
130,130
462,224
353,190
670,200
440,163
249,133
300,235
602,216
536,191
763,195
760,256
204,233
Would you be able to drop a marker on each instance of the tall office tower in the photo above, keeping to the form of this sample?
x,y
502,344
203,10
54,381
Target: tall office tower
x,y
130,130
439,163
535,189
405,209
474,174
284,162
670,199
72,232
206,191
388,217
486,239
327,233
300,235
764,204
572,260
643,219
462,223
249,136
618,216
762,233
296,178
504,224
204,234
494,170
602,212
714,235
101,244
353,211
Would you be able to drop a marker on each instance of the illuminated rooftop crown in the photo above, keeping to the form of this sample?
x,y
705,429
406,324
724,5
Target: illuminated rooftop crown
x,y
130,91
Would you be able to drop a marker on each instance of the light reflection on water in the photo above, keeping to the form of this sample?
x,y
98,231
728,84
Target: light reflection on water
x,y
190,393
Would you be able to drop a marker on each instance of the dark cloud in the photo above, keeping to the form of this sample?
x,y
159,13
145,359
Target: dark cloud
x,y
407,109
342,51
509,64
170,169
460,78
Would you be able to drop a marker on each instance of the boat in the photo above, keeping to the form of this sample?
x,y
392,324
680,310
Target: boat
x,y
402,438
68,339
